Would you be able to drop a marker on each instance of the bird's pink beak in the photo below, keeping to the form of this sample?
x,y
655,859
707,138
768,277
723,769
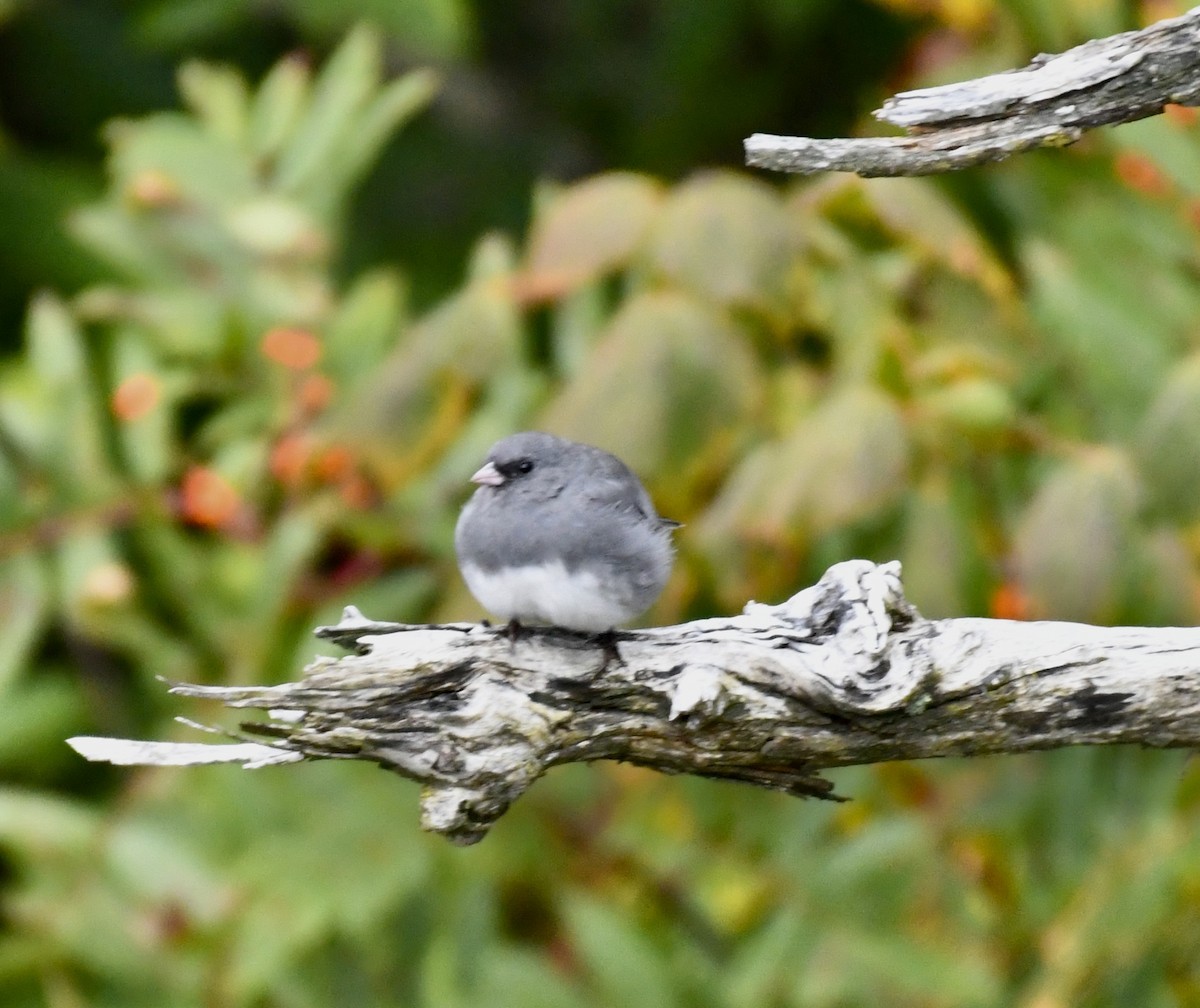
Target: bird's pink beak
x,y
488,475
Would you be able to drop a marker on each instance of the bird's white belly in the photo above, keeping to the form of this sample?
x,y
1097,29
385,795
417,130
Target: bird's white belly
x,y
547,593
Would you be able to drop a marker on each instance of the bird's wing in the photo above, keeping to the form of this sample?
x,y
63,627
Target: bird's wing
x,y
614,484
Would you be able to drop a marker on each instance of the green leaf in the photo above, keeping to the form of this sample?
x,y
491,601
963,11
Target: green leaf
x,y
348,873
35,717
124,243
936,551
364,327
433,29
24,611
847,460
36,827
272,226
1074,545
341,92
620,960
1168,444
1167,591
724,235
219,97
588,229
186,164
668,384
512,977
147,447
55,343
396,103
469,342
1092,318
278,105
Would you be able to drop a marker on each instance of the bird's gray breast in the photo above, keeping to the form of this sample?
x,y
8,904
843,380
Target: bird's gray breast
x,y
628,550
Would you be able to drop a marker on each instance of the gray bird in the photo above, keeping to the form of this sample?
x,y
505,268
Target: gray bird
x,y
563,533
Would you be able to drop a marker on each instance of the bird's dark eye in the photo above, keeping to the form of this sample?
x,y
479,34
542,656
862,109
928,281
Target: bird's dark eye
x,y
517,467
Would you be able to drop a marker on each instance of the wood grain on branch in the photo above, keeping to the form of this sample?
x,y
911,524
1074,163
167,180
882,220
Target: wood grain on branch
x,y
846,672
1049,103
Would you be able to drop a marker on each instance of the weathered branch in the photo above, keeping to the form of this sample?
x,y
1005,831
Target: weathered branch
x,y
1049,103
846,672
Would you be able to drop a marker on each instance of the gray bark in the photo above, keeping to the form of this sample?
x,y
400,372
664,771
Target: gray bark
x,y
1049,103
846,672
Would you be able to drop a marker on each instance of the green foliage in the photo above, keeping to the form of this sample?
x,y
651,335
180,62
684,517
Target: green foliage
x,y
211,452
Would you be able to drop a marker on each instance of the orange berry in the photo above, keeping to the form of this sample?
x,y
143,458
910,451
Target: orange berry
x,y
208,498
334,464
152,188
136,396
1009,602
293,348
315,393
1141,174
1181,115
356,492
290,456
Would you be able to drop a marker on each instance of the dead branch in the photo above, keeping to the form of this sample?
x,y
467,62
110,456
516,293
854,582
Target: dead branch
x,y
1049,103
846,672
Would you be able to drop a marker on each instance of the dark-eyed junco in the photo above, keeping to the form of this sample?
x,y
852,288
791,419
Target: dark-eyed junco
x,y
562,533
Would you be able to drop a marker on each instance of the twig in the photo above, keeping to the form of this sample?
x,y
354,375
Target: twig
x,y
1049,103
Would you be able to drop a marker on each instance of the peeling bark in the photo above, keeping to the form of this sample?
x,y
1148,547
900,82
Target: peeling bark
x,y
1049,103
846,672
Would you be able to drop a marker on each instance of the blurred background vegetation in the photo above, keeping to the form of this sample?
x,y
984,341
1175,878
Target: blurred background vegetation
x,y
274,276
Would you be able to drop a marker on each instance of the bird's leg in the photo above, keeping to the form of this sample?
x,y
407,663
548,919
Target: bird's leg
x,y
607,642
514,630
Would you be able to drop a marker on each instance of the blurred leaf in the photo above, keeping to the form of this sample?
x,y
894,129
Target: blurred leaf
x,y
668,383
431,28
620,960
345,875
55,344
274,226
48,411
851,966
165,160
291,546
1074,544
34,720
396,103
141,401
340,93
124,243
82,562
588,229
27,414
364,327
723,235
219,97
420,394
1168,444
936,552
933,227
277,105
24,612
35,826
171,23
975,407
847,460
519,977
1167,592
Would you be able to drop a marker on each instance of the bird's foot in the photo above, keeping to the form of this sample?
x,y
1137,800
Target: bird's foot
x,y
514,630
606,640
